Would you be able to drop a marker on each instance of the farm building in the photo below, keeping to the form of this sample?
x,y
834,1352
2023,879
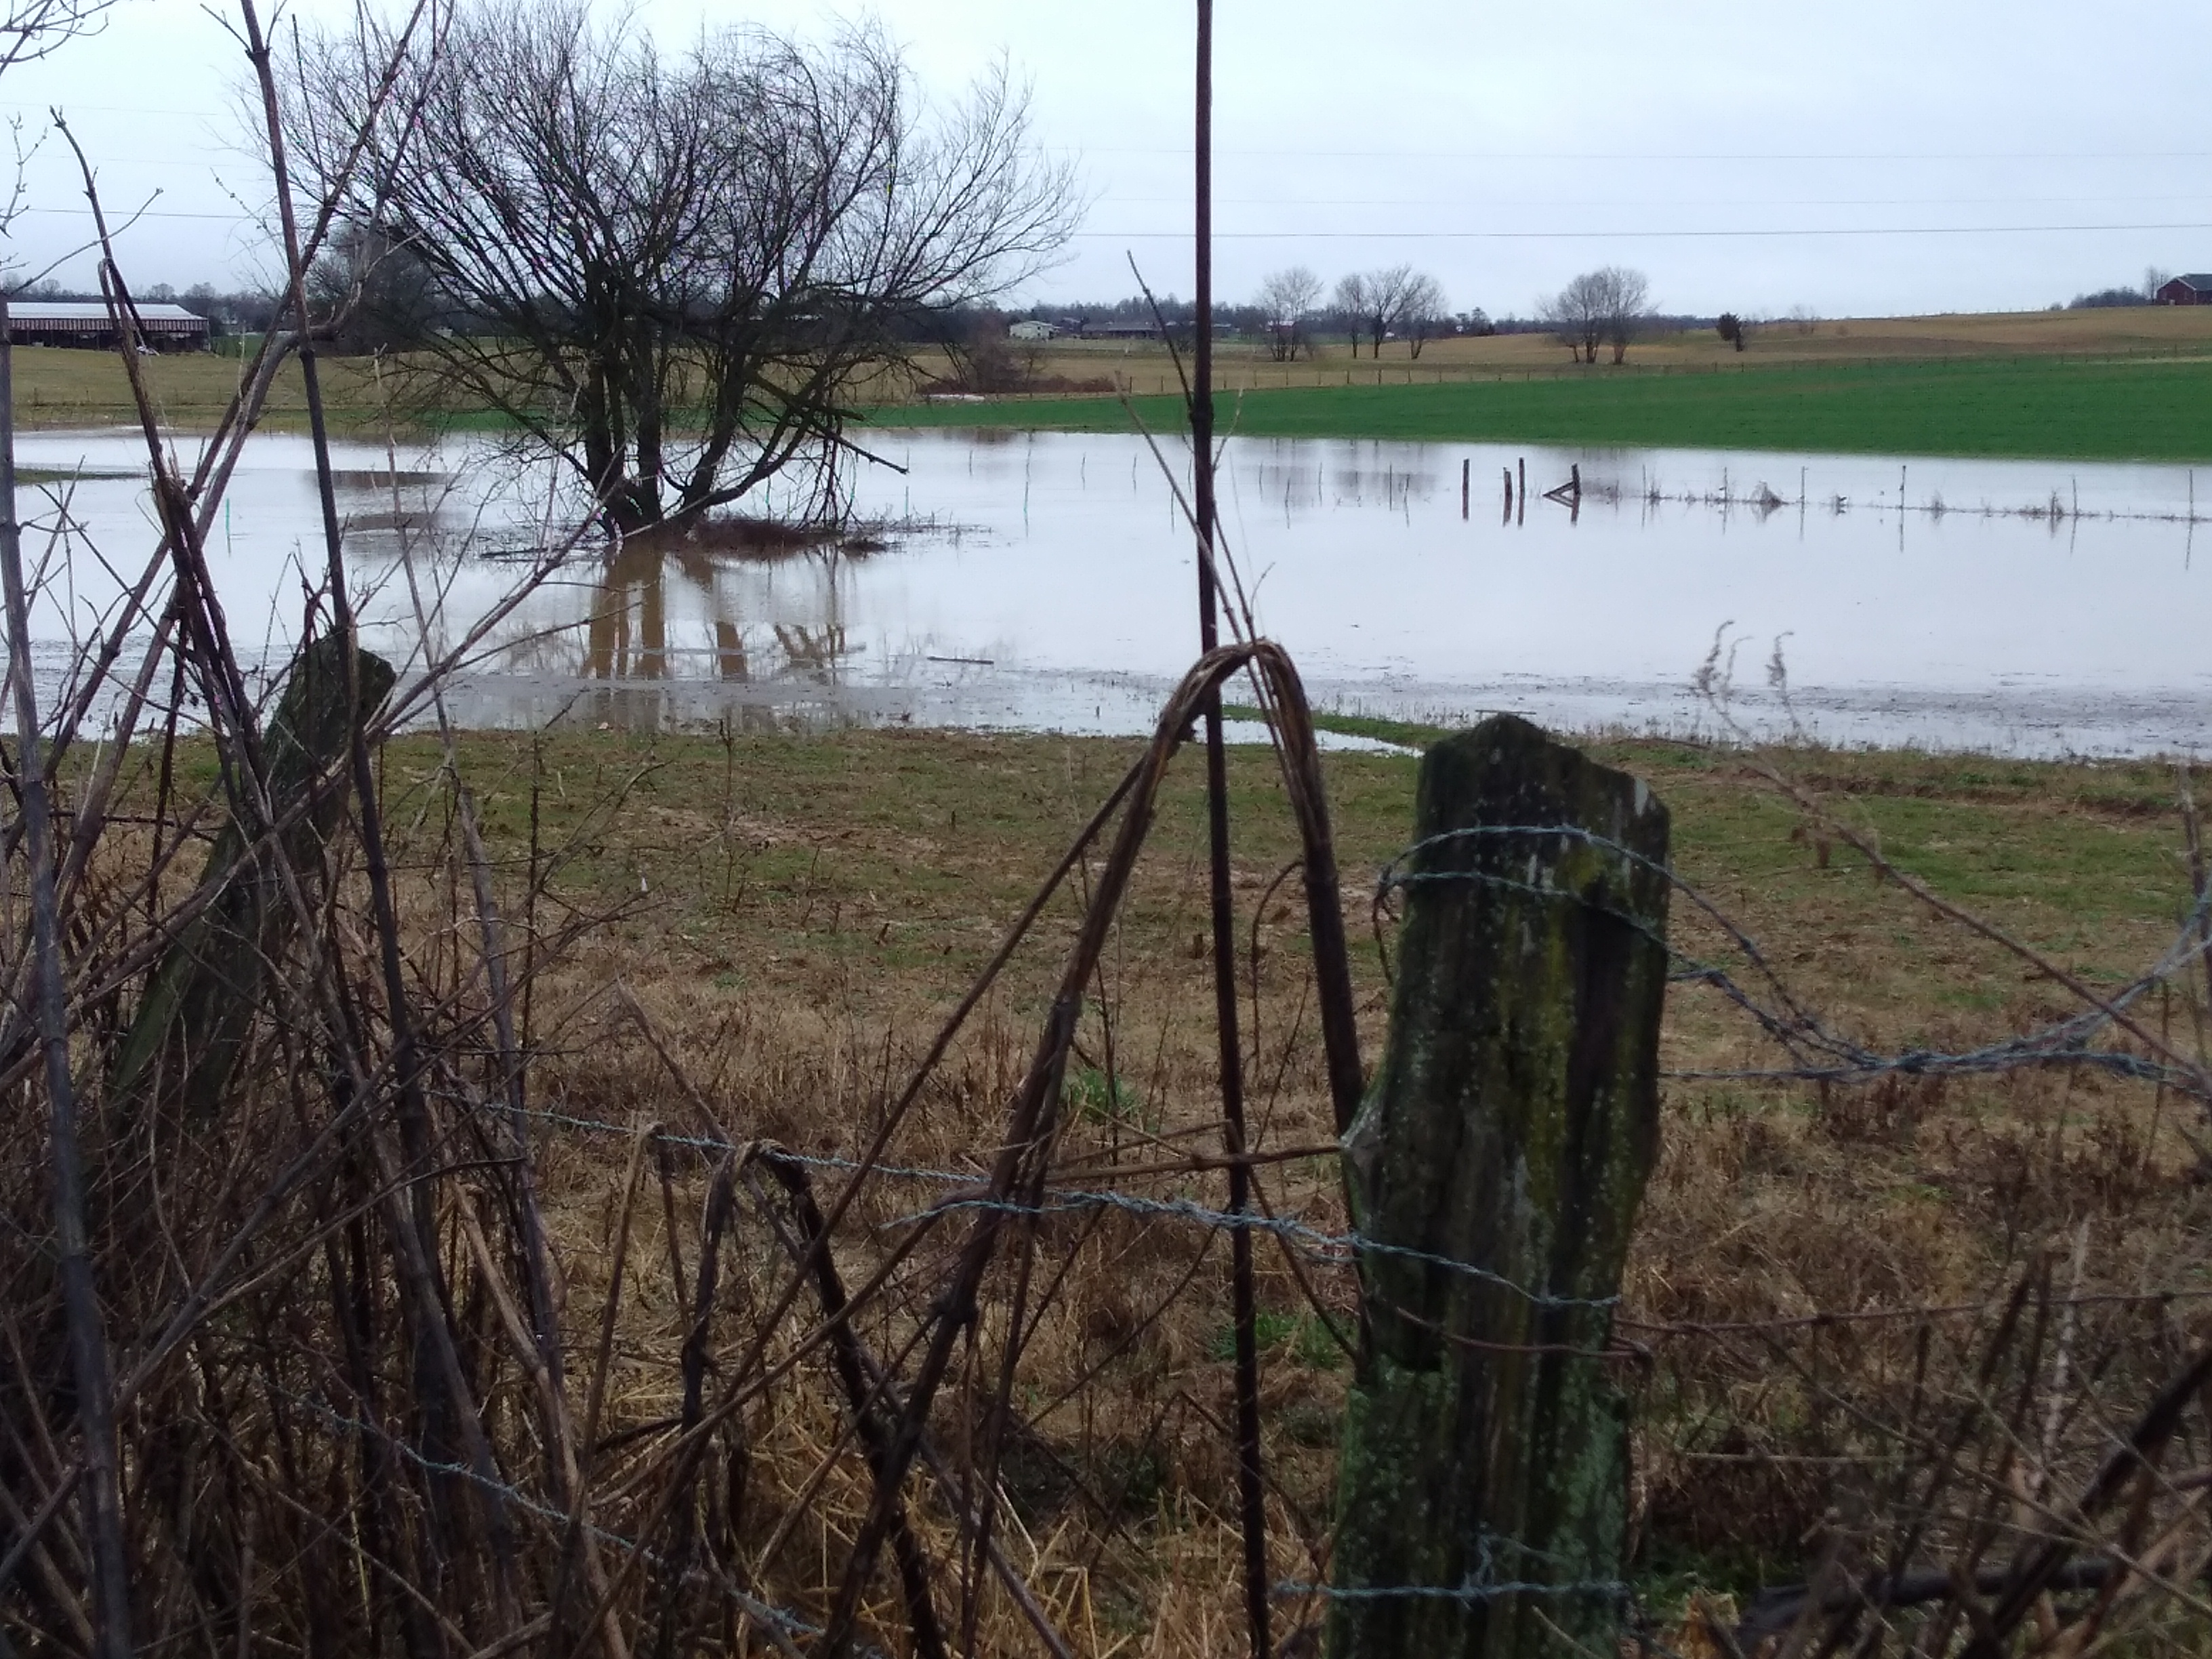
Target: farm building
x,y
2194,291
74,322
1028,329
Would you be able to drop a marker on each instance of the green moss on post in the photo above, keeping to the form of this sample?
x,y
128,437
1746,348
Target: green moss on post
x,y
193,1024
1482,1485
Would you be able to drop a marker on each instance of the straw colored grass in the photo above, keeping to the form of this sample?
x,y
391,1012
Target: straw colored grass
x,y
795,915
753,935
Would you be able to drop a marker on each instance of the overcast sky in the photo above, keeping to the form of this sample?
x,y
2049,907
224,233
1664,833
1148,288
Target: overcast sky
x,y
1889,157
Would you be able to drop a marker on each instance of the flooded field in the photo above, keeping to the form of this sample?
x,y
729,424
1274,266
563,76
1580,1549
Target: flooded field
x,y
1046,581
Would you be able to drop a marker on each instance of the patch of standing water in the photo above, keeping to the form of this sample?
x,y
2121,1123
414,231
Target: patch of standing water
x,y
1044,581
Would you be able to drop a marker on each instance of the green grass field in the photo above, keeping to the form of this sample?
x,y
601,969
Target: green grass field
x,y
2002,400
2153,410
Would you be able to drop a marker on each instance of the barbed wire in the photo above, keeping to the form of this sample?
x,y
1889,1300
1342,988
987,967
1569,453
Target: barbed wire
x,y
1819,1053
1334,1250
2059,1042
1481,1584
1612,1589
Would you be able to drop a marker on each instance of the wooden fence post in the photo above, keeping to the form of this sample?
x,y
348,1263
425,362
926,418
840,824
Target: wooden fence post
x,y
192,1023
1496,1169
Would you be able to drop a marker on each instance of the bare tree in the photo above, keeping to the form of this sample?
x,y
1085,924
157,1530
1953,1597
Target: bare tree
x,y
1421,311
1575,315
1375,302
1627,301
677,275
1349,301
1288,297
367,295
1609,305
29,29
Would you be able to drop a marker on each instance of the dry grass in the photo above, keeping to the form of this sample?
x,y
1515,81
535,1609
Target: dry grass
x,y
2136,332
61,387
802,911
751,937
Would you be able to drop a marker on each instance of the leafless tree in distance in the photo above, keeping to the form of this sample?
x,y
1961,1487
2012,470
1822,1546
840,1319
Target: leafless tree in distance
x,y
678,274
1288,297
367,295
1422,311
1575,315
1374,303
1607,305
1627,303
1349,301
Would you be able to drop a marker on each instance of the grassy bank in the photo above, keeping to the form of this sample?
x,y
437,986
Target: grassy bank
x,y
2149,410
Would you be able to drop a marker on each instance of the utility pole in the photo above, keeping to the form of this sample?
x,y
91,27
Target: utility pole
x,y
1250,1491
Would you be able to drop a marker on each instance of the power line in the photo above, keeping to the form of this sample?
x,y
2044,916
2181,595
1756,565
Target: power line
x,y
148,213
1659,156
1623,236
1463,202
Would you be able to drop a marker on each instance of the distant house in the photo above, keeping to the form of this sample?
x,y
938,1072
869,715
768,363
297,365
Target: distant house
x,y
1121,331
1029,329
86,324
2193,290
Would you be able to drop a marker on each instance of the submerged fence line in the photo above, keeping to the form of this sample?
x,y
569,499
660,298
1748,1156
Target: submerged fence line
x,y
1763,503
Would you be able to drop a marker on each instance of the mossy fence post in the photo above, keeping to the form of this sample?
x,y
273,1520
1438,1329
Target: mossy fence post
x,y
193,1024
1496,1169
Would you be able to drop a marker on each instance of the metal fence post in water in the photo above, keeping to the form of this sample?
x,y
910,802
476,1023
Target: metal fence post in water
x,y
1495,1171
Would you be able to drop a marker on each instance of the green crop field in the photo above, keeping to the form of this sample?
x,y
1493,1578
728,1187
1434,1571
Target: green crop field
x,y
2108,410
2001,400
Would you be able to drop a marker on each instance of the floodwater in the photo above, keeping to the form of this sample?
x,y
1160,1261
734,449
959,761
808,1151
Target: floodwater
x,y
1046,581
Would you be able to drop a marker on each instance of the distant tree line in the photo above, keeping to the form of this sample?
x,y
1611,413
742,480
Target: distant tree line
x,y
369,297
2107,298
1292,311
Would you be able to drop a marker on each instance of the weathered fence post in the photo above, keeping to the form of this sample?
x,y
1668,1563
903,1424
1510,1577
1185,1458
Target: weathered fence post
x,y
192,1023
1496,1170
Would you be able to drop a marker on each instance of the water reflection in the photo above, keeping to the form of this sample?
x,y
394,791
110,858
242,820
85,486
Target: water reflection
x,y
1923,601
627,634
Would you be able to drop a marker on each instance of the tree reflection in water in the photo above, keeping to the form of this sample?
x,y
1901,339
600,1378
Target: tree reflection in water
x,y
797,595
